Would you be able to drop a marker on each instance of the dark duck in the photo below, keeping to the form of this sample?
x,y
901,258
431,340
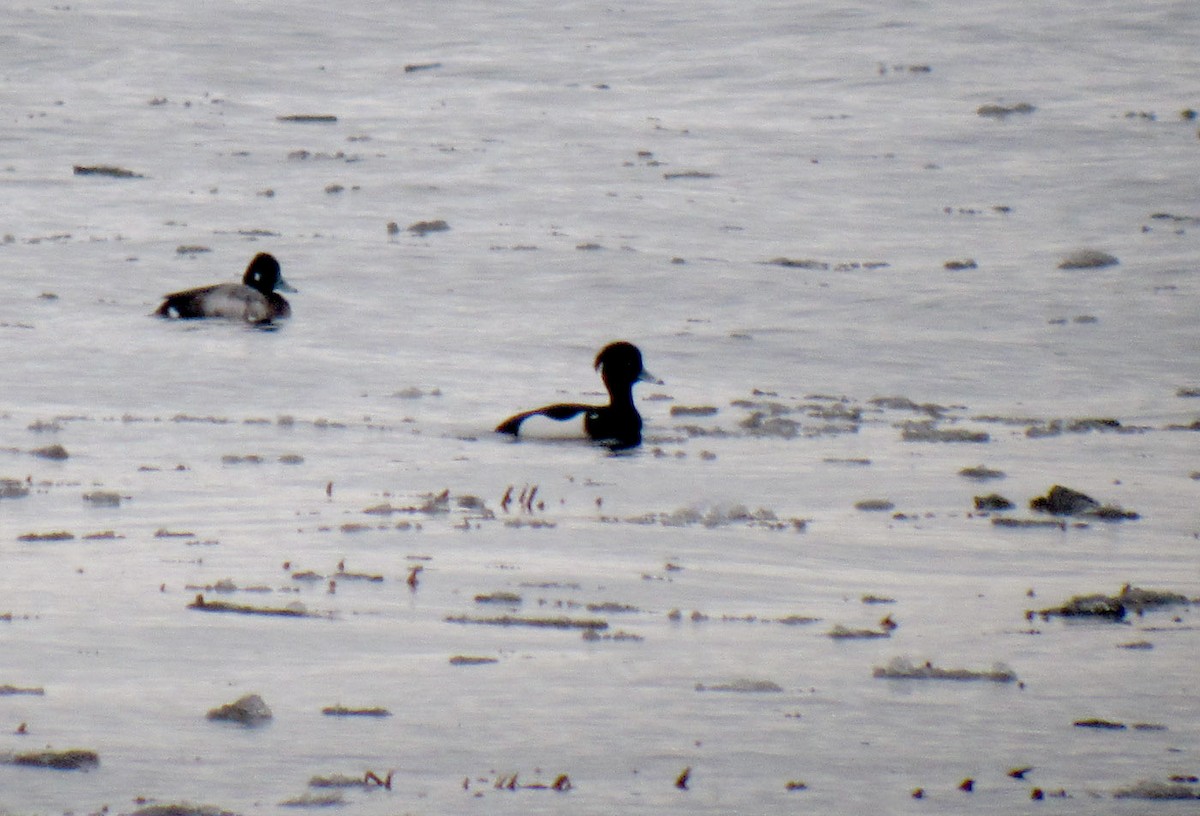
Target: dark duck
x,y
617,425
254,300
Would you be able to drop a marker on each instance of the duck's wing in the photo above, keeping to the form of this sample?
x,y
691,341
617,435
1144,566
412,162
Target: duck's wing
x,y
560,411
186,304
233,301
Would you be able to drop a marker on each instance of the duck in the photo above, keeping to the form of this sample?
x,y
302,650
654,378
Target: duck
x,y
617,425
254,300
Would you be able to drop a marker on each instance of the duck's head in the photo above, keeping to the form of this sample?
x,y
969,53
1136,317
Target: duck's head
x,y
264,274
620,365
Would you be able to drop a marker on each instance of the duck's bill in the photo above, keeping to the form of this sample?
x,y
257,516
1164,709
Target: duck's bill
x,y
646,376
283,286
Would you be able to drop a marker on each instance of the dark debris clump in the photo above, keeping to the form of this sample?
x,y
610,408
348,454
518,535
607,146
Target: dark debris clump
x,y
1115,607
1064,501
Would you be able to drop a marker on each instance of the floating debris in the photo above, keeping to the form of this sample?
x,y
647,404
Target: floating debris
x,y
743,686
103,498
1139,599
240,459
874,505
499,598
182,809
1016,522
423,228
561,783
689,174
1064,501
72,759
38,425
1147,789
470,660
1088,259
822,266
905,404
611,607
1087,606
796,620
715,517
992,501
799,263
533,524
681,781
344,781
9,691
547,623
618,636
13,489
306,118
209,420
105,170
57,535
248,710
358,576
433,504
1002,111
839,632
54,452
927,432
960,265
1130,598
903,669
102,535
224,585
1191,426
305,155
694,410
981,473
342,711
413,67
1106,725
294,610
308,799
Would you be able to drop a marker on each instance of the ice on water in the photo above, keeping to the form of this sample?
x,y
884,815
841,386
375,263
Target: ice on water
x,y
793,210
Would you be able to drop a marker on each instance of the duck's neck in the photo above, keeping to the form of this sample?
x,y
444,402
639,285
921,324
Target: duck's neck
x,y
620,395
